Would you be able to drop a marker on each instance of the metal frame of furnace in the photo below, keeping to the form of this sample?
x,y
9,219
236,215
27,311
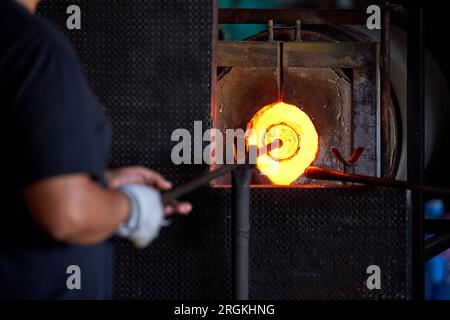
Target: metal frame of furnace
x,y
363,60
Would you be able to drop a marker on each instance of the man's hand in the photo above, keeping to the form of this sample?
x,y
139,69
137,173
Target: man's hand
x,y
140,175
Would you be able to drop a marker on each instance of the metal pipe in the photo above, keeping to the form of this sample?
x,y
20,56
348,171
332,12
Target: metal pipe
x,y
240,199
330,175
298,30
172,195
270,28
385,79
280,72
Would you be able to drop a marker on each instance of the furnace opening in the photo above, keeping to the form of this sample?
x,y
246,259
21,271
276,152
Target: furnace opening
x,y
299,137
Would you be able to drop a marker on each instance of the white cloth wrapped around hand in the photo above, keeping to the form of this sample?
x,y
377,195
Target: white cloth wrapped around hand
x,y
146,215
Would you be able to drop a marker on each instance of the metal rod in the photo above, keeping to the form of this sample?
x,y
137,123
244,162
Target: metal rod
x,y
240,199
270,28
172,195
281,72
385,78
298,30
436,245
276,144
330,175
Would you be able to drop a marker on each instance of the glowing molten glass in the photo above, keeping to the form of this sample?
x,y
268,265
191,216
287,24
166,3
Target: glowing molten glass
x,y
295,129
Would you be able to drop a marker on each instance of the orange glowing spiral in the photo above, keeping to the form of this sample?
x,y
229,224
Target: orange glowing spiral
x,y
295,129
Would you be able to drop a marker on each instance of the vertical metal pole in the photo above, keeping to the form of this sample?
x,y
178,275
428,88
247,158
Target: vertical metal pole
x,y
280,72
240,194
385,80
416,147
298,30
270,29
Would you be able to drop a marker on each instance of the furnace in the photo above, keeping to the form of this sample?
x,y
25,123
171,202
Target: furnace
x,y
329,74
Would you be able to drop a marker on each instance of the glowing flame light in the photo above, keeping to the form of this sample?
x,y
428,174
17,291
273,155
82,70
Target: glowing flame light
x,y
295,129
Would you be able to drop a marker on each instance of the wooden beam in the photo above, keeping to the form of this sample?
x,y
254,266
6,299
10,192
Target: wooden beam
x,y
248,54
350,55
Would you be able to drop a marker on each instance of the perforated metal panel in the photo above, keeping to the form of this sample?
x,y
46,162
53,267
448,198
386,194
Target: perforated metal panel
x,y
190,260
318,244
149,63
304,244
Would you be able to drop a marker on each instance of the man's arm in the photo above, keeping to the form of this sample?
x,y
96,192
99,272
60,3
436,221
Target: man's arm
x,y
76,210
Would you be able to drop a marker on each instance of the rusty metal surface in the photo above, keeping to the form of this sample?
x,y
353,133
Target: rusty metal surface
x,y
290,16
385,102
247,54
350,55
295,54
365,120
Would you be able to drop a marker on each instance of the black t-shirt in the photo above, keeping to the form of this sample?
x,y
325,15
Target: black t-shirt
x,y
50,126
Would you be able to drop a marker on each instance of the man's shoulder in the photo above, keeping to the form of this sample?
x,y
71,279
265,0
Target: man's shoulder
x,y
18,26
51,36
